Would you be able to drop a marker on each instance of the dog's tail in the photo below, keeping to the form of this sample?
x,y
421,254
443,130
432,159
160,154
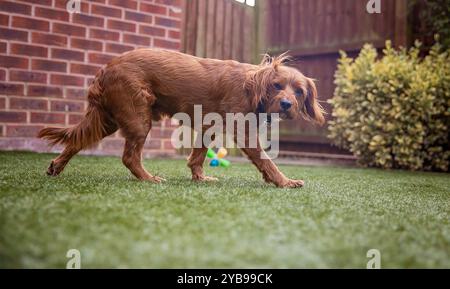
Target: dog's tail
x,y
90,130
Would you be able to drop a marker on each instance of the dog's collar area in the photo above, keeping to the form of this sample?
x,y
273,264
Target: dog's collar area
x,y
262,109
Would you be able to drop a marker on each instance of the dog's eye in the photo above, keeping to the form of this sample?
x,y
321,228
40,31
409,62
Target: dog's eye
x,y
299,92
277,86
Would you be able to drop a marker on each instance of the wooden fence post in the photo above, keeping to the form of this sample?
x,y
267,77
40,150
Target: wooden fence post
x,y
260,30
401,23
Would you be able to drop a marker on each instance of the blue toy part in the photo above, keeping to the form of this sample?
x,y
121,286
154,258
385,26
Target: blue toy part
x,y
214,163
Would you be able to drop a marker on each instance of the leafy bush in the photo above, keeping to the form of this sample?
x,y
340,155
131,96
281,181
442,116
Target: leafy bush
x,y
394,111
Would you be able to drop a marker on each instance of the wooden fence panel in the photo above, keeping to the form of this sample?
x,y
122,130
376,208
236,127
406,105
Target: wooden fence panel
x,y
222,29
325,26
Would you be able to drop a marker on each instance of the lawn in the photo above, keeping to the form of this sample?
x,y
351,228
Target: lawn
x,y
95,206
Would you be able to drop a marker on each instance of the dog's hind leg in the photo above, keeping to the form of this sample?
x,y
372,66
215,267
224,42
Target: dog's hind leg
x,y
58,164
135,123
132,158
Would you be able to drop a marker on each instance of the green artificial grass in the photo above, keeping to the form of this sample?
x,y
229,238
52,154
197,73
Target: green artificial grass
x,y
97,207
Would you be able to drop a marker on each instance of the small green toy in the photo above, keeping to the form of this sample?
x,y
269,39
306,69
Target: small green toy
x,y
218,159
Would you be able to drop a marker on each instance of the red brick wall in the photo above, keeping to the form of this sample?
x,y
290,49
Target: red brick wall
x,y
49,56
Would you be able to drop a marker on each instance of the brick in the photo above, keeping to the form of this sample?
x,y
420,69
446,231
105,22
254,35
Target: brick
x,y
27,76
138,17
40,2
174,34
2,103
12,143
2,74
44,117
100,58
167,22
176,3
84,69
49,39
4,19
104,34
30,50
12,61
130,4
2,47
167,145
12,116
171,123
30,23
14,7
75,118
11,88
118,48
166,44
113,144
76,93
152,144
106,11
13,34
49,13
68,29
152,31
28,103
49,65
23,130
160,133
44,91
67,106
151,8
62,79
86,44
121,25
88,20
67,54
136,39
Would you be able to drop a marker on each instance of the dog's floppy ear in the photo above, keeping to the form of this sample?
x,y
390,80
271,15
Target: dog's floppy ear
x,y
313,109
259,81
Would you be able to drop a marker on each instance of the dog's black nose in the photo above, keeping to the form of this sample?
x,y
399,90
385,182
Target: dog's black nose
x,y
285,104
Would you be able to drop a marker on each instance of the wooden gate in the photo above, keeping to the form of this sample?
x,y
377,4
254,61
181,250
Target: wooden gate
x,y
313,31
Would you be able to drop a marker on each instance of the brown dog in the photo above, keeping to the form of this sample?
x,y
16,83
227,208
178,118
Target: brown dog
x,y
147,84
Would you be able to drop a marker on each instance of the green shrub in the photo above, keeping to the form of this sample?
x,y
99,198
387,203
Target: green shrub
x,y
394,111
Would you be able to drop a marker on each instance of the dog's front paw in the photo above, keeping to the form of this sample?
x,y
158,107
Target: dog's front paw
x,y
291,184
156,179
202,178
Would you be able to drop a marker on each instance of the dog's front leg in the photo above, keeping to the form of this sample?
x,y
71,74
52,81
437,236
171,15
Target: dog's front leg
x,y
195,162
269,170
